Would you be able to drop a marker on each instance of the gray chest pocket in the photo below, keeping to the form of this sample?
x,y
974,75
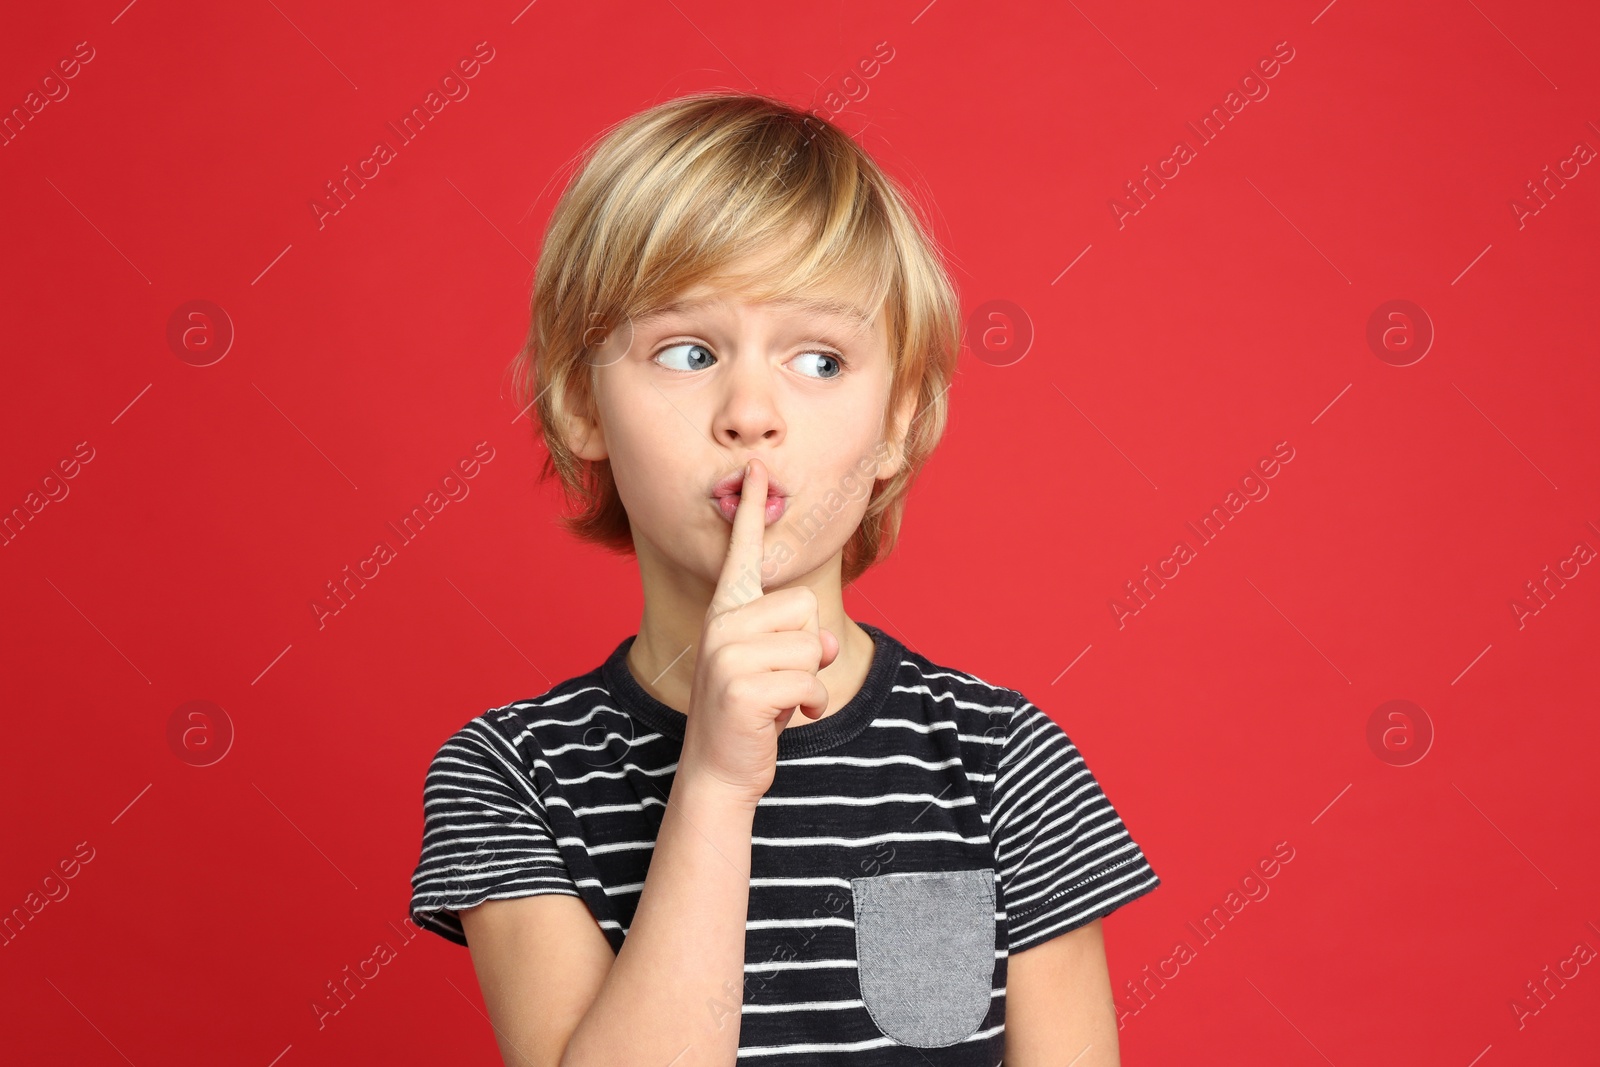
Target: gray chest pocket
x,y
925,949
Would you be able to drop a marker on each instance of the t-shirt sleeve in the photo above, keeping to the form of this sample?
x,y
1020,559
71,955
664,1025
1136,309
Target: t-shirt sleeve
x,y
485,833
1065,856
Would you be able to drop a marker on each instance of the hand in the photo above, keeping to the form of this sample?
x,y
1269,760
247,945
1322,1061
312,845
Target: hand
x,y
757,662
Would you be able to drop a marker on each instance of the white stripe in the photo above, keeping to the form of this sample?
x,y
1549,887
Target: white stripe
x,y
851,1046
852,842
876,798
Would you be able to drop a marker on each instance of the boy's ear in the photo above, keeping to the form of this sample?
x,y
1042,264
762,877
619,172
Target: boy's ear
x,y
899,427
584,435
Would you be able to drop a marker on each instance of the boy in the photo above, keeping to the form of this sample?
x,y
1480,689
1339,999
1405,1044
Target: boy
x,y
739,353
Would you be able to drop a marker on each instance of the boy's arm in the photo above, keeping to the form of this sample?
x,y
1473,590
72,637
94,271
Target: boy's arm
x,y
540,962
675,991
1059,1004
556,996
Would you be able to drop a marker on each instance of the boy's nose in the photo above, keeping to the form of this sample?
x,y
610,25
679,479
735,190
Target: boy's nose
x,y
748,411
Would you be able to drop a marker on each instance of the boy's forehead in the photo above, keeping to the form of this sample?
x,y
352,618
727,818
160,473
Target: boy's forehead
x,y
709,297
760,277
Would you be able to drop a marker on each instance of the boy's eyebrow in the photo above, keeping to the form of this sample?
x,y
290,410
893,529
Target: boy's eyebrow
x,y
836,308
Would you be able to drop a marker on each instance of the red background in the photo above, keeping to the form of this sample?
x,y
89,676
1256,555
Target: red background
x,y
1227,315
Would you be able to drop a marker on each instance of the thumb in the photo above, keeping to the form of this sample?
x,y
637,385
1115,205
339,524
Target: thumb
x,y
830,646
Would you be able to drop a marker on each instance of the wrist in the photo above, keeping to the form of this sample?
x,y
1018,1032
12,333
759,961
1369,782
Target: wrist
x,y
695,786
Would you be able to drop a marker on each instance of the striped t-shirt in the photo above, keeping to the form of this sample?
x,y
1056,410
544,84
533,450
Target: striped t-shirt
x,y
910,843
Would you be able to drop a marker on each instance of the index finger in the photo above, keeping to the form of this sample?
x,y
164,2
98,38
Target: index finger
x,y
740,580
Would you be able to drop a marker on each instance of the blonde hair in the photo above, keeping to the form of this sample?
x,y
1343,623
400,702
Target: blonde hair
x,y
668,198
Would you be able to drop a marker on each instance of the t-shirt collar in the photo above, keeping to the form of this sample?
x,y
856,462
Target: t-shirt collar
x,y
804,740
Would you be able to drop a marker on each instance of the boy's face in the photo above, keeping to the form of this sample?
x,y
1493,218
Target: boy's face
x,y
688,395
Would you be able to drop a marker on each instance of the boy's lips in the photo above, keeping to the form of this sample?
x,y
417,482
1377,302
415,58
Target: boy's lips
x,y
733,483
725,496
728,506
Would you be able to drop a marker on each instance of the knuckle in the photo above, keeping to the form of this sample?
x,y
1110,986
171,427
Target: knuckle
x,y
739,689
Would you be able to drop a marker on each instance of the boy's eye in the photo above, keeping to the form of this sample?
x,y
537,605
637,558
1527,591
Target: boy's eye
x,y
696,360
829,357
692,356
